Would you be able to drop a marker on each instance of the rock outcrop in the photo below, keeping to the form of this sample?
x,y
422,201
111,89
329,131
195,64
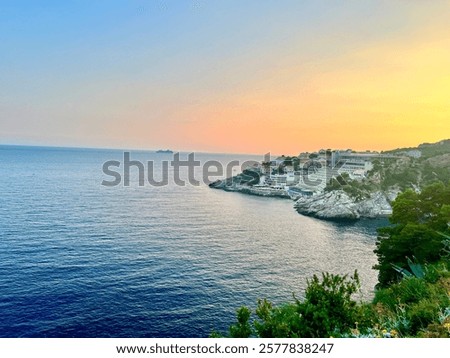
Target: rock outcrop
x,y
338,205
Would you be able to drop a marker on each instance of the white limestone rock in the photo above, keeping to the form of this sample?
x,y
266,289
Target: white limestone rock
x,y
338,205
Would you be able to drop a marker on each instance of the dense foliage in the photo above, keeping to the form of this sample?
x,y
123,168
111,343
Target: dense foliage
x,y
327,309
417,219
400,173
433,165
418,306
356,189
413,295
428,150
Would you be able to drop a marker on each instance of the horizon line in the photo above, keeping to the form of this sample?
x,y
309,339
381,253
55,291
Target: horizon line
x,y
189,151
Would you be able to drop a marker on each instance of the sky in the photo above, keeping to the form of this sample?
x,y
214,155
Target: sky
x,y
225,76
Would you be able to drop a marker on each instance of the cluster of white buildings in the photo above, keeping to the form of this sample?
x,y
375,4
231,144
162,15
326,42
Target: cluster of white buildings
x,y
309,173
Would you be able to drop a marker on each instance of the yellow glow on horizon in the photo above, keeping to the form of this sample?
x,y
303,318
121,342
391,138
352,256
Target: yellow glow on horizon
x,y
384,96
368,75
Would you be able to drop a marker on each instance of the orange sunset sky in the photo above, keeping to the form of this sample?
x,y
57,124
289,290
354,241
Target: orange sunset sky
x,y
252,77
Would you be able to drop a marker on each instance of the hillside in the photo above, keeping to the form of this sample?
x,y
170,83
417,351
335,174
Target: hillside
x,y
398,174
344,197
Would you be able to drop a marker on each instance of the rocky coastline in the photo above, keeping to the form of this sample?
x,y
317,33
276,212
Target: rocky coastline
x,y
338,205
333,205
355,184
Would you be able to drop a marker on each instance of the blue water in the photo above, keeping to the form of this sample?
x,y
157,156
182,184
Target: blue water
x,y
78,259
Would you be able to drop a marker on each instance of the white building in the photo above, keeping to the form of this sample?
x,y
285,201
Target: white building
x,y
314,181
414,153
289,168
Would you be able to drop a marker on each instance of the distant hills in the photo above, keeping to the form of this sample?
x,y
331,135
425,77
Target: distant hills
x,y
427,150
432,164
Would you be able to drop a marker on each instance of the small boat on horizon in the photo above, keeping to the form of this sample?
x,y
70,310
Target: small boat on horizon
x,y
167,151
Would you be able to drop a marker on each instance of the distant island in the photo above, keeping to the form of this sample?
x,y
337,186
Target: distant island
x,y
166,151
344,184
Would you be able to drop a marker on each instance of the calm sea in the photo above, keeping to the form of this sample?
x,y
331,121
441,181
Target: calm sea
x,y
78,259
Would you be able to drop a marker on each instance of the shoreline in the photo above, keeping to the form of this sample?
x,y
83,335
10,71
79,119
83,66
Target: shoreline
x,y
335,206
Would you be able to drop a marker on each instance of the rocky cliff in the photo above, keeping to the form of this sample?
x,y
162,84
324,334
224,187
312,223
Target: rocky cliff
x,y
338,205
344,198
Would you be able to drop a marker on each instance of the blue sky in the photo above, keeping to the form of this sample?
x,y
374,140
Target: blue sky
x,y
151,74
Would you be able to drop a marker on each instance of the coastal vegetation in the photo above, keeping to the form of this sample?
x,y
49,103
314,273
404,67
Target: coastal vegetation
x,y
399,173
247,177
356,189
344,185
418,220
412,298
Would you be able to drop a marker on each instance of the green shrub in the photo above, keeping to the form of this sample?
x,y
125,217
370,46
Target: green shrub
x,y
277,322
242,329
422,314
410,290
328,307
419,223
366,317
386,297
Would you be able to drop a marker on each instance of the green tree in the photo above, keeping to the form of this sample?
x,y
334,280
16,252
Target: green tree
x,y
328,307
242,329
417,219
277,322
